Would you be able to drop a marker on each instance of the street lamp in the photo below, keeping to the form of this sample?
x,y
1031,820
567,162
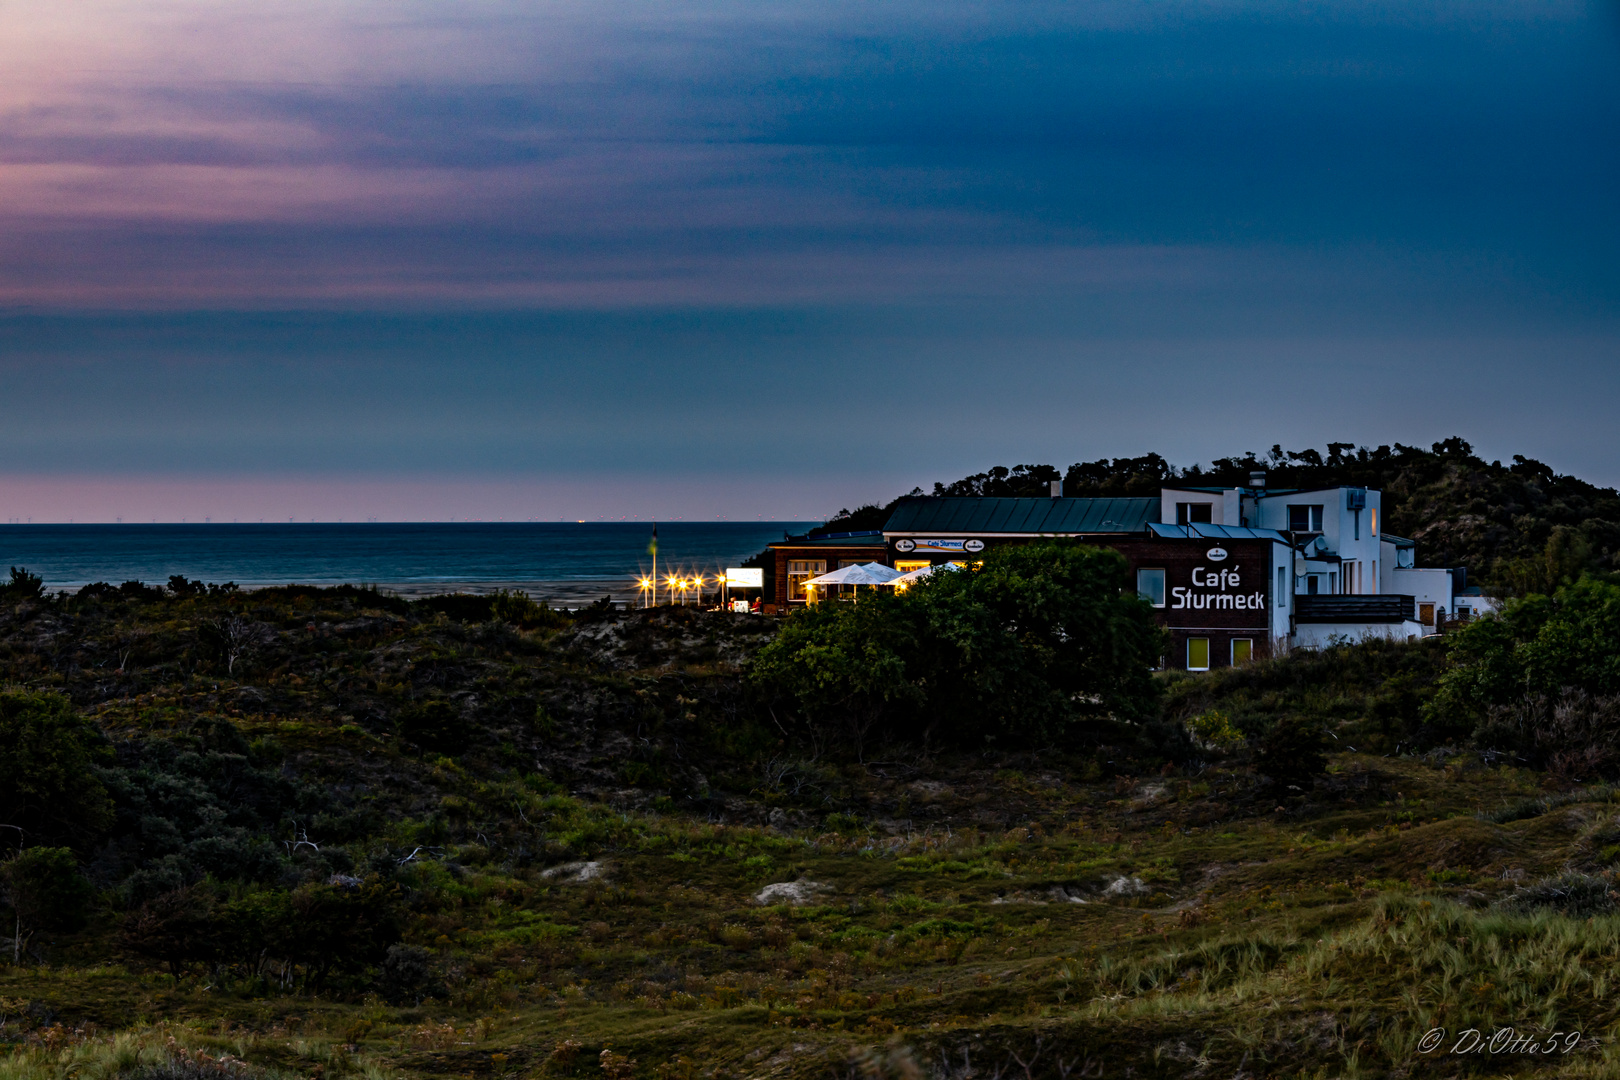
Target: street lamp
x,y
645,585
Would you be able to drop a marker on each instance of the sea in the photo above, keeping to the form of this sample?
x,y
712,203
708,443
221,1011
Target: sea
x,y
565,563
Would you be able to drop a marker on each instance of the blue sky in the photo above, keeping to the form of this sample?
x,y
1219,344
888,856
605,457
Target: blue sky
x,y
568,259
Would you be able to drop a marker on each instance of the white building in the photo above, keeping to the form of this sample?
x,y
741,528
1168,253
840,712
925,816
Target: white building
x,y
1367,581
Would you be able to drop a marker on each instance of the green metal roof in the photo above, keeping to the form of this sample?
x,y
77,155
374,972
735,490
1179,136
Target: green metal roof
x,y
862,540
1060,517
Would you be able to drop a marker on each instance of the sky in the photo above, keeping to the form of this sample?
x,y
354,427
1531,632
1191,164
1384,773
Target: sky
x,y
417,259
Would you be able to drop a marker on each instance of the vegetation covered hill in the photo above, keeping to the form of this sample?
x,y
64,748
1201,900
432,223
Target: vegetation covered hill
x,y
327,833
1520,527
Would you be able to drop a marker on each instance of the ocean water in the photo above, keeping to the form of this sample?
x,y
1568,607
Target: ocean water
x,y
559,561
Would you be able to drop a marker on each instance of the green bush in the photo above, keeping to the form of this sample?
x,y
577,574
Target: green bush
x,y
1214,730
44,890
1539,678
48,786
1293,754
1039,643
516,608
1370,694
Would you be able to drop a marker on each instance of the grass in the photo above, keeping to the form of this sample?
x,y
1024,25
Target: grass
x,y
1263,942
982,915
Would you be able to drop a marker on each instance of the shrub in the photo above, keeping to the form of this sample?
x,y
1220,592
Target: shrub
x,y
1579,895
407,976
44,891
1293,754
175,928
1541,679
1039,643
1371,694
23,585
1214,731
1538,645
516,608
47,783
434,725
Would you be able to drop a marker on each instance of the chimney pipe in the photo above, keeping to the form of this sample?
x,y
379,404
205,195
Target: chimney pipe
x,y
1057,489
1257,479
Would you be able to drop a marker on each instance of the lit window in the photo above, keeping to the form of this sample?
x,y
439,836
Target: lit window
x,y
1198,654
1242,650
906,566
1150,586
1426,614
1375,521
800,571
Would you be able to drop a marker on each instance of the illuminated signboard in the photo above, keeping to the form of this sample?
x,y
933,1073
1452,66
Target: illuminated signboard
x,y
954,547
741,577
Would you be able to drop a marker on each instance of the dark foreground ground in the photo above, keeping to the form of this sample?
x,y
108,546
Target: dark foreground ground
x,y
599,865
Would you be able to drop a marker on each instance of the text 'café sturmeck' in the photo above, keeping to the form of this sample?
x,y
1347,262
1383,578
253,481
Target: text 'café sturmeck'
x,y
1233,573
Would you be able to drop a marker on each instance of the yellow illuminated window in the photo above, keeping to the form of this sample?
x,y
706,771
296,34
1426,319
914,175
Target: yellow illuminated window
x,y
800,571
906,566
1242,650
1198,654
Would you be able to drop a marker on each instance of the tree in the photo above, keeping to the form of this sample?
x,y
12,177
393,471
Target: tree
x,y
48,786
846,668
1544,665
1031,645
176,928
45,891
1038,638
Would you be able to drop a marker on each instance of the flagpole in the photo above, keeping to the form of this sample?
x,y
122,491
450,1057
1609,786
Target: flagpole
x,y
655,564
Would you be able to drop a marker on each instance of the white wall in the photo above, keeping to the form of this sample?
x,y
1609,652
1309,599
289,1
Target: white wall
x,y
1389,560
1282,558
1426,586
1169,497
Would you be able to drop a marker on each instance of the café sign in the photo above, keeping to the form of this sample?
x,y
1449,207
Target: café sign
x,y
954,547
1216,590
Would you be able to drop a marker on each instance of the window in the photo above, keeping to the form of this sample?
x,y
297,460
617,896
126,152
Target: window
x,y
1198,654
1150,586
1333,583
800,571
906,566
1282,586
1305,518
1426,614
1194,513
1375,521
1242,650
1313,583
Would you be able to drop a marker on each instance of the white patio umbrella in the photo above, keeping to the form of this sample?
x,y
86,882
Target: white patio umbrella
x,y
921,572
871,573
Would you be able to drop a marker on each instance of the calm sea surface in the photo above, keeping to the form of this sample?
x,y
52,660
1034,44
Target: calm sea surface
x,y
555,560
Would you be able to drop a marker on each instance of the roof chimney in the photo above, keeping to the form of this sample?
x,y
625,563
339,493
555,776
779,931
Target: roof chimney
x,y
1257,479
1057,489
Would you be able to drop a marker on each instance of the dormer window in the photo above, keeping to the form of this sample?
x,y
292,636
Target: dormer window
x,y
1200,513
1305,518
